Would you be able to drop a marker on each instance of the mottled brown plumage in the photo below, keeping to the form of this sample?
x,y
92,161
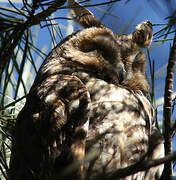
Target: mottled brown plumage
x,y
128,48
87,112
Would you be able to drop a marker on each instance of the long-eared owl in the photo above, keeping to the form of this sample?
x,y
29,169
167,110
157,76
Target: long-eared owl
x,y
87,111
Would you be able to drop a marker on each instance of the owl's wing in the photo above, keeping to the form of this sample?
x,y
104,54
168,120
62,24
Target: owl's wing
x,y
53,121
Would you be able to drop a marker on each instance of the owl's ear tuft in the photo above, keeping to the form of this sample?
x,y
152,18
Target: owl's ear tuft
x,y
143,34
83,16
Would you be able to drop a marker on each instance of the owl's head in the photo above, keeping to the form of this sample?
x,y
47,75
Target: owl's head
x,y
143,34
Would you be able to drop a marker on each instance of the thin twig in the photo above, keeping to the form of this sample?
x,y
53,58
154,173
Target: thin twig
x,y
19,30
92,5
13,103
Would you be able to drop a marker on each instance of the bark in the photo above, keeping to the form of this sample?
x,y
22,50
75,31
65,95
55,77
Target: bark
x,y
168,168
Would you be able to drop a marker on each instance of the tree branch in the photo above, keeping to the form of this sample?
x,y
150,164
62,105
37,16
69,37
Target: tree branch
x,y
137,167
167,173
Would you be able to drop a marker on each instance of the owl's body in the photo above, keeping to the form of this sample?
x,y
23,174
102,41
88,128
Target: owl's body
x,y
88,102
120,130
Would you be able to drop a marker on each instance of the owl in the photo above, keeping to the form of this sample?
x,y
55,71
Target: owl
x,y
87,112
